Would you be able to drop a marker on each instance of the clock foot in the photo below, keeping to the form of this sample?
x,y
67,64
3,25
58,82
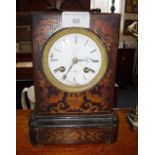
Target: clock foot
x,y
73,129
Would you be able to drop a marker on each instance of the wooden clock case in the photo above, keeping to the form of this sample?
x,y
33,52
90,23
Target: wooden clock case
x,y
86,117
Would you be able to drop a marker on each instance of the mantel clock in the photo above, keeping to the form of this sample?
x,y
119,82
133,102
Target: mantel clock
x,y
74,71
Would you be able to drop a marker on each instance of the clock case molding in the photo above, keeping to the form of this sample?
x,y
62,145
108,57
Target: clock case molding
x,y
84,117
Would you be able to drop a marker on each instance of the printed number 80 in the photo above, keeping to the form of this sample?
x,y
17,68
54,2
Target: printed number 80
x,y
76,21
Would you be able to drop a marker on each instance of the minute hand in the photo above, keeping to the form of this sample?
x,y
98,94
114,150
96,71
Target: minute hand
x,y
74,61
65,75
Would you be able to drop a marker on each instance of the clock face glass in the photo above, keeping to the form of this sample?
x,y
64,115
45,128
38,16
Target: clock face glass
x,y
73,60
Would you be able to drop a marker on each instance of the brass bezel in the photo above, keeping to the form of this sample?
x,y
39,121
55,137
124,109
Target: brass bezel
x,y
51,41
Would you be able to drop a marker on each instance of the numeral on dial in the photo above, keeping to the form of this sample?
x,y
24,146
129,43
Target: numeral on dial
x,y
85,43
62,69
55,49
84,77
64,42
74,79
54,59
95,60
75,40
93,51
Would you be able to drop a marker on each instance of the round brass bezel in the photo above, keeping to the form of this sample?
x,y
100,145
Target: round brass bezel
x,y
53,39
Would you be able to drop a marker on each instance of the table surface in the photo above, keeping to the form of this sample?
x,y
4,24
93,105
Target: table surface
x,y
126,144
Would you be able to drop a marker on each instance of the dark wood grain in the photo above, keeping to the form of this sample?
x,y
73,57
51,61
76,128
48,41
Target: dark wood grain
x,y
73,129
53,101
97,99
126,144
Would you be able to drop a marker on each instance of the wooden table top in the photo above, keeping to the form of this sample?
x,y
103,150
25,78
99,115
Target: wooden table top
x,y
126,144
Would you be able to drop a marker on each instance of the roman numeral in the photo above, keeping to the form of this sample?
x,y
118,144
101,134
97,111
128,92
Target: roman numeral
x,y
55,49
75,39
56,70
95,60
74,79
84,77
54,59
92,51
85,43
64,42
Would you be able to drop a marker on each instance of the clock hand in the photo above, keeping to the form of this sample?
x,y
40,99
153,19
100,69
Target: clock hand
x,y
65,75
74,61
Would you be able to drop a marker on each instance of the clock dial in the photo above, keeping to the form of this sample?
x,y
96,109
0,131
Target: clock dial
x,y
74,59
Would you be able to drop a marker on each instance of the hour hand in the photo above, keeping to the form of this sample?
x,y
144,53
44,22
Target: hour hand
x,y
74,61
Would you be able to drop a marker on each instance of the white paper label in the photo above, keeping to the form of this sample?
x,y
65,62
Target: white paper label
x,y
75,19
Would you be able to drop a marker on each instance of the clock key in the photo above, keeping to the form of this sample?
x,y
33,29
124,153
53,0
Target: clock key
x,y
56,70
86,69
95,60
62,69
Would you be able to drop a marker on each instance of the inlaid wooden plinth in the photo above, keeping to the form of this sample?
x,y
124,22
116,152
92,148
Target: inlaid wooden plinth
x,y
73,129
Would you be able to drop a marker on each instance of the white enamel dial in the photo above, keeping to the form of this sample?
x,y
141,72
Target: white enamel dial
x,y
74,60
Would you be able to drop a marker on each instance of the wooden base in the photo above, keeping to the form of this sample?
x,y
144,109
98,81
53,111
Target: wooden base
x,y
73,129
